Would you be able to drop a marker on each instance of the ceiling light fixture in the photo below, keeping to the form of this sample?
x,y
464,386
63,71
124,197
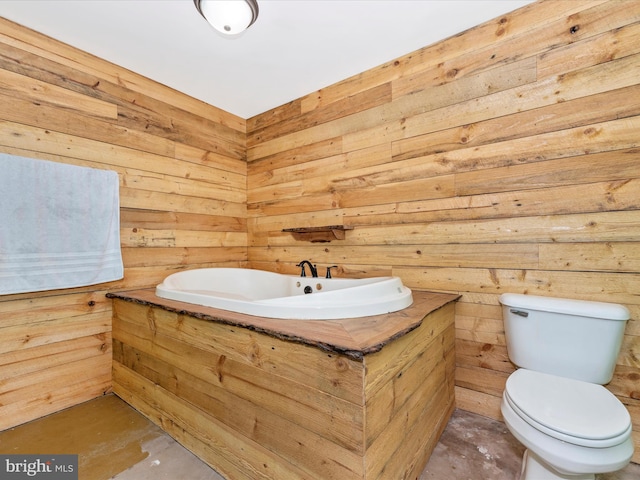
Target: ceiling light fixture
x,y
228,16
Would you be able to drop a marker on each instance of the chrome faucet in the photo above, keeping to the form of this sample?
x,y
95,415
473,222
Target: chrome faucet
x,y
312,268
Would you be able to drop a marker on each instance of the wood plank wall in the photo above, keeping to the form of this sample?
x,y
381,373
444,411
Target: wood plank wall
x,y
182,171
504,159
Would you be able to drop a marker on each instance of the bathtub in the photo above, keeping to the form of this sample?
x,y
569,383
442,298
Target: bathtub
x,y
268,294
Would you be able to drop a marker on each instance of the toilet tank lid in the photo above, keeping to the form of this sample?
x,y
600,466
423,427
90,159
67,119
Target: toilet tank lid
x,y
584,308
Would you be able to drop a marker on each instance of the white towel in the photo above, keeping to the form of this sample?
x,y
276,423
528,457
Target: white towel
x,y
59,225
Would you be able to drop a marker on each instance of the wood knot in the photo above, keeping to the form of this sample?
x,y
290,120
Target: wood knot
x,y
219,367
590,132
341,365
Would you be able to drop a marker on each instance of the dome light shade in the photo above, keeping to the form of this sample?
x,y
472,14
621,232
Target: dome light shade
x,y
229,17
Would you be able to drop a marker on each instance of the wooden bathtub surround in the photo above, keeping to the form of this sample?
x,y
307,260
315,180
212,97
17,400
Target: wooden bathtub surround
x,y
272,399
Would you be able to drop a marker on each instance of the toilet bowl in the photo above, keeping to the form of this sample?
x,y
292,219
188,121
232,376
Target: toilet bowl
x,y
572,429
555,404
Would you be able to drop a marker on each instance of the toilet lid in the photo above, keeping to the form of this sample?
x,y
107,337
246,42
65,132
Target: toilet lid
x,y
572,408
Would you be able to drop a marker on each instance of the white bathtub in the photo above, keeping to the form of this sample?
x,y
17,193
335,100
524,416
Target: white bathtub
x,y
268,294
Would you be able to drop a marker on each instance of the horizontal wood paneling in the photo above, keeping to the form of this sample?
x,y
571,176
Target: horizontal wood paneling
x,y
182,171
502,159
229,389
250,389
507,159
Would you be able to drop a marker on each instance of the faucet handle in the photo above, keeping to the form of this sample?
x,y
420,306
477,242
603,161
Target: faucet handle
x,y
329,270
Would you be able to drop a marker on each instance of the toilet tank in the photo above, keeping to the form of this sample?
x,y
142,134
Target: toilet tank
x,y
569,338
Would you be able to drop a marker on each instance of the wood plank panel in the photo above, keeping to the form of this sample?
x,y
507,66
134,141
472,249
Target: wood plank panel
x,y
562,88
251,419
40,115
186,256
572,113
604,257
93,153
341,378
35,91
410,460
198,431
140,237
383,366
609,166
42,333
478,402
601,137
420,378
148,200
600,227
179,160
499,45
51,389
246,384
221,386
361,123
482,255
159,219
620,288
330,163
353,104
503,28
612,44
443,95
79,62
541,177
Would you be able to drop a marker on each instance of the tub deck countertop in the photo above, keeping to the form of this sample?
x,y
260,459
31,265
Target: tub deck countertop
x,y
354,337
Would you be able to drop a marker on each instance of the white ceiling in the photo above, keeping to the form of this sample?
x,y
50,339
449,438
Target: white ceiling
x,y
295,47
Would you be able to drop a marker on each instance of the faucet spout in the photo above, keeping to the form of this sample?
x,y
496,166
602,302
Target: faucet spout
x,y
312,269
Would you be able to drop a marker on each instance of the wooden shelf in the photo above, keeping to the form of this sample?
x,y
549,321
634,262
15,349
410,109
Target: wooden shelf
x,y
319,234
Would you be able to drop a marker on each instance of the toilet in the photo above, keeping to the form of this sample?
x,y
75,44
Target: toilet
x,y
555,403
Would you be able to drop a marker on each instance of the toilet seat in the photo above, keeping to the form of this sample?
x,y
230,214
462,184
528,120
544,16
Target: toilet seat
x,y
570,410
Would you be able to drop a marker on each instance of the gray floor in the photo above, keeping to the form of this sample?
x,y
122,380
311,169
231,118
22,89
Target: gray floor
x,y
472,447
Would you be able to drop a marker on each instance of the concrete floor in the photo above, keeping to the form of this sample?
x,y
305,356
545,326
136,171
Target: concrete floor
x,y
114,441
473,447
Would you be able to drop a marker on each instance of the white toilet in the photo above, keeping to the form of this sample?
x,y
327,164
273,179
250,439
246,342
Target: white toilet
x,y
555,404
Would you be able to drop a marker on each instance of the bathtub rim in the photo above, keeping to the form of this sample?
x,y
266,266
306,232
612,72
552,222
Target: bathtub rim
x,y
296,307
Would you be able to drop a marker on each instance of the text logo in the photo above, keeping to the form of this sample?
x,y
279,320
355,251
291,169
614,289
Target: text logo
x,y
43,467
